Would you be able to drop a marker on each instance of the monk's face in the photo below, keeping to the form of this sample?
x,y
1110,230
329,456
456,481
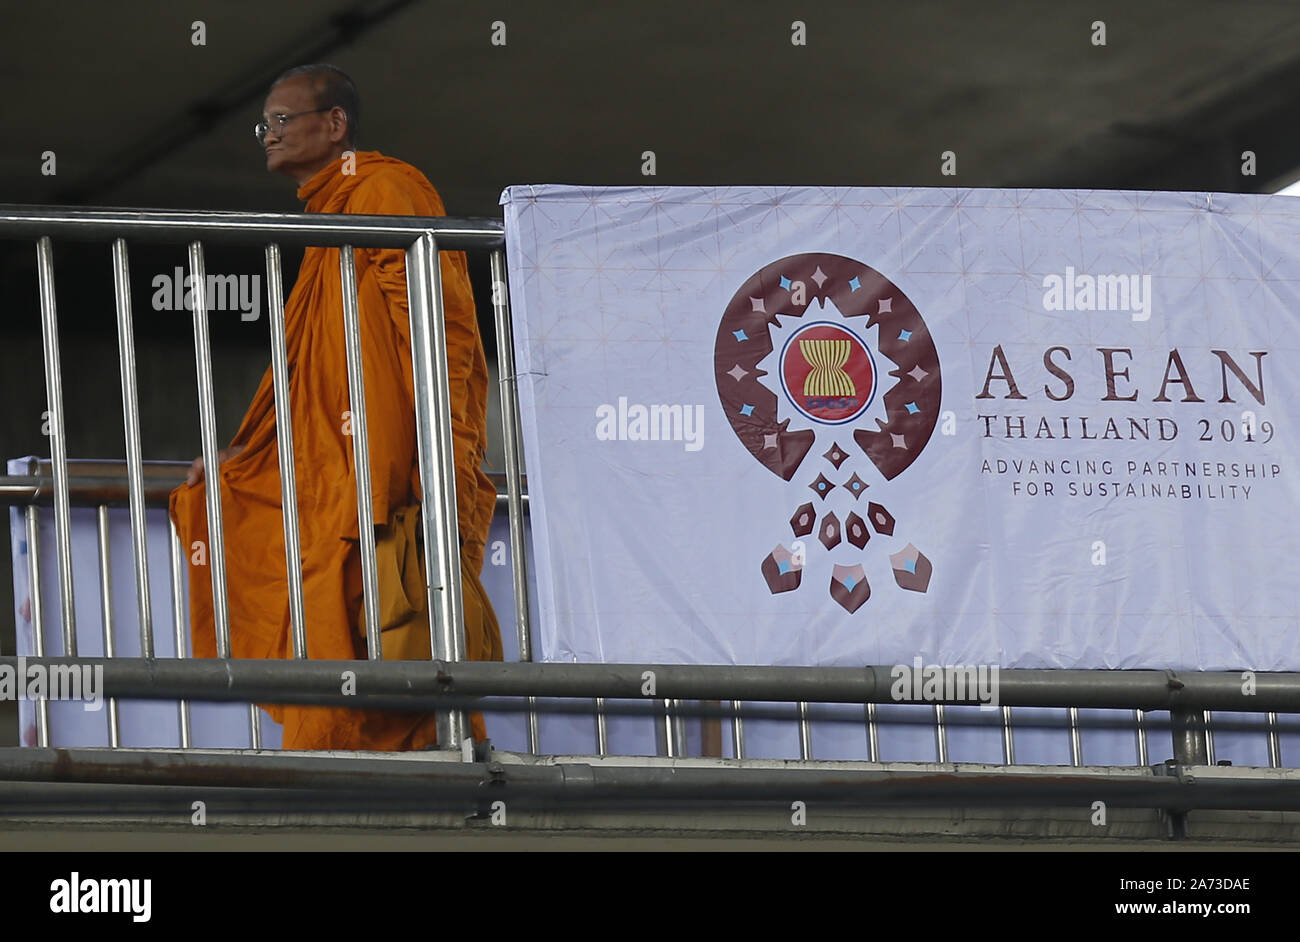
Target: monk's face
x,y
307,142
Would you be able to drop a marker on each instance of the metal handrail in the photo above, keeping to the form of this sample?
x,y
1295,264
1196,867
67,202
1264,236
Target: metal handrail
x,y
283,782
422,238
419,684
108,484
103,224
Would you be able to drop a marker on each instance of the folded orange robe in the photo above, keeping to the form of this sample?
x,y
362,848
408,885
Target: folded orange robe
x,y
256,577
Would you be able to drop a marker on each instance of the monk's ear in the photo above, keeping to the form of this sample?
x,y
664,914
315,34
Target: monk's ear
x,y
338,119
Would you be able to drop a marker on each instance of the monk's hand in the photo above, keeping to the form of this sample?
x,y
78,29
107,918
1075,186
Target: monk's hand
x,y
195,474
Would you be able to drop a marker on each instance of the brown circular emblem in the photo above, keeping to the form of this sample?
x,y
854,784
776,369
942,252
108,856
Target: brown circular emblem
x,y
826,370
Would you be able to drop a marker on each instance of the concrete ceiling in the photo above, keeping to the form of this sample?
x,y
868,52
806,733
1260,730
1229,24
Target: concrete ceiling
x,y
137,115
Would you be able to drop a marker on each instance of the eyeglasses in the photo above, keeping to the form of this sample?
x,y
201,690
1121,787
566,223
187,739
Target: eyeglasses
x,y
262,127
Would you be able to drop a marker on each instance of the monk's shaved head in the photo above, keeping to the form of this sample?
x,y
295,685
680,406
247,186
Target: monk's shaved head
x,y
333,88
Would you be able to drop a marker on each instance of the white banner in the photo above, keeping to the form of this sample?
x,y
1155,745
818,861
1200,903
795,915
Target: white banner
x,y
845,426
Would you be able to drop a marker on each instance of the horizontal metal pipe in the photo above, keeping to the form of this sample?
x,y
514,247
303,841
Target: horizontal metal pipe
x,y
288,681
108,467
28,489
169,226
585,785
172,470
20,490
655,710
922,718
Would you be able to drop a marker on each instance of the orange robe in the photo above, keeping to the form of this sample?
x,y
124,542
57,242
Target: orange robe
x,y
256,577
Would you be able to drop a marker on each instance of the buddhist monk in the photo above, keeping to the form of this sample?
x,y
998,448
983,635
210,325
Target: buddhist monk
x,y
309,131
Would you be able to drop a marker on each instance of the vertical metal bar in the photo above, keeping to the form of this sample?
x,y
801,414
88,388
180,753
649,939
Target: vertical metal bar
x,y
177,555
509,382
1209,738
1008,739
1140,722
437,467
679,728
737,731
106,609
211,468
664,730
284,444
38,616
1076,741
255,725
602,728
58,444
669,744
534,726
873,741
1274,743
805,732
134,458
1188,729
216,549
361,452
940,734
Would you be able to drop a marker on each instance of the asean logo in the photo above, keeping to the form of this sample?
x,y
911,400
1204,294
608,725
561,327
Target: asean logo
x,y
827,373
818,356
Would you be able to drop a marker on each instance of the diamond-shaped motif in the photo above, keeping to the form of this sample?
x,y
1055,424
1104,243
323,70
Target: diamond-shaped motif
x,y
849,587
804,519
782,570
912,570
855,530
821,487
829,532
836,456
856,486
881,519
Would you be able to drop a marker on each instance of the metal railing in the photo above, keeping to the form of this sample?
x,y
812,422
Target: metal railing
x,y
422,239
451,686
105,484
